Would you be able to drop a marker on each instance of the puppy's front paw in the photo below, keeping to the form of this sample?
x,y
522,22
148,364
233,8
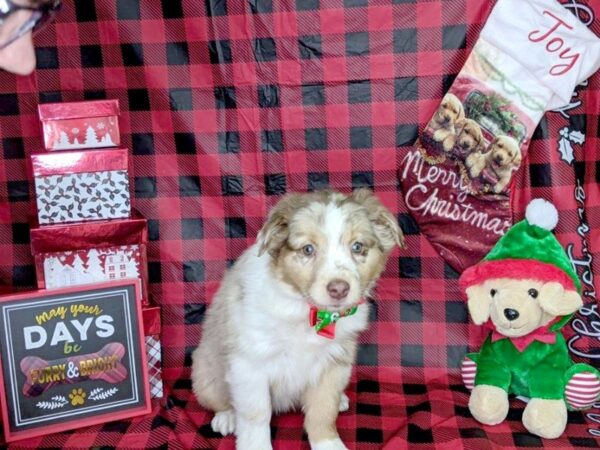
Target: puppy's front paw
x,y
252,443
252,435
223,422
344,403
449,143
329,444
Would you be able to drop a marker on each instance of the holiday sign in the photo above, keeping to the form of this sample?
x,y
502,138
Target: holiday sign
x,y
71,358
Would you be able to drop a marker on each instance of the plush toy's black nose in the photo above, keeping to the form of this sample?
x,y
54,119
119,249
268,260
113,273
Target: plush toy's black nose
x,y
511,314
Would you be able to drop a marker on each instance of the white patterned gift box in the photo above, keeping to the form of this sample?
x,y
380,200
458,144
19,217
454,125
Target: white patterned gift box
x,y
81,186
154,356
80,125
152,329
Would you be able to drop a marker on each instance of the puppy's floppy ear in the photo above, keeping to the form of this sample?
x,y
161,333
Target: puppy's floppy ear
x,y
275,232
555,300
459,125
478,137
385,224
517,159
494,142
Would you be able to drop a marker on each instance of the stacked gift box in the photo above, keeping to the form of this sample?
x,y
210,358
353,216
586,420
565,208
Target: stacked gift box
x,y
85,230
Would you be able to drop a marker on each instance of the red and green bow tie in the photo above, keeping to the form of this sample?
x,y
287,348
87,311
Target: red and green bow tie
x,y
543,334
324,321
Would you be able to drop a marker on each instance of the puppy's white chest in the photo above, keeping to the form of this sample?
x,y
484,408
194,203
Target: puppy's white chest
x,y
301,359
292,356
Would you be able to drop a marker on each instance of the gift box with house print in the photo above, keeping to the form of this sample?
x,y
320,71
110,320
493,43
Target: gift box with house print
x,y
91,266
91,252
80,125
81,185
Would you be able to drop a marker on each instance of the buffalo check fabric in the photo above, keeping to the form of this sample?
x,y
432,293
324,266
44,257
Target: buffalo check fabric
x,y
226,105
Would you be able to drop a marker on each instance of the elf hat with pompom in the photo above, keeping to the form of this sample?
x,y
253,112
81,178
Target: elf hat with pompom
x,y
528,251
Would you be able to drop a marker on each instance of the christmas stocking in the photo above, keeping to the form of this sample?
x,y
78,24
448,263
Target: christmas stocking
x,y
457,179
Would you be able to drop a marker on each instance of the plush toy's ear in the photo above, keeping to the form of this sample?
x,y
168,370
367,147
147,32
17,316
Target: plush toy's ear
x,y
556,301
478,303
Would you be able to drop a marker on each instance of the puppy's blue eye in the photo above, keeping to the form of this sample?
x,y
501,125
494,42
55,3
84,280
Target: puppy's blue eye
x,y
533,293
308,249
357,247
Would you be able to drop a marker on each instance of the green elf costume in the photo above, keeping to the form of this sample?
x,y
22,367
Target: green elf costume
x,y
537,365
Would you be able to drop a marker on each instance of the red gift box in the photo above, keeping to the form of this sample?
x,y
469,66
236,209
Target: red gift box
x,y
73,254
151,317
81,186
78,125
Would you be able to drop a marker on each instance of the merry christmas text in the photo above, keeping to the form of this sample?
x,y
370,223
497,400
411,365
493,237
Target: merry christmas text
x,y
427,200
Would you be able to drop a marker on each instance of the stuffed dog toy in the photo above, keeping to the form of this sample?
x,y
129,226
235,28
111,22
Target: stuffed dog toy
x,y
524,292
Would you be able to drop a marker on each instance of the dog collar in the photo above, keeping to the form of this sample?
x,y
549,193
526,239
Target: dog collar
x,y
542,334
324,321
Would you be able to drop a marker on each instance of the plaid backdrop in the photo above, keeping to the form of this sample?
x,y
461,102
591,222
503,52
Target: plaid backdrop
x,y
228,104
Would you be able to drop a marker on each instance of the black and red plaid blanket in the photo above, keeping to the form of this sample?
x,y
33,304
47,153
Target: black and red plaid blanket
x,y
226,104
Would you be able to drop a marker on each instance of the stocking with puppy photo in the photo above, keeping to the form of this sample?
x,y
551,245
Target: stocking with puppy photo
x,y
457,178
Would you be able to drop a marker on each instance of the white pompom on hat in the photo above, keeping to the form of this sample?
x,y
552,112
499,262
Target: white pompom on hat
x,y
542,213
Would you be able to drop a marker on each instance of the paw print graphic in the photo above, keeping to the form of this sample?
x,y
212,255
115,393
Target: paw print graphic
x,y
77,397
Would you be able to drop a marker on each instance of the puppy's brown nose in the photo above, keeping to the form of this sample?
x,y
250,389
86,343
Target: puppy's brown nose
x,y
511,314
338,289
